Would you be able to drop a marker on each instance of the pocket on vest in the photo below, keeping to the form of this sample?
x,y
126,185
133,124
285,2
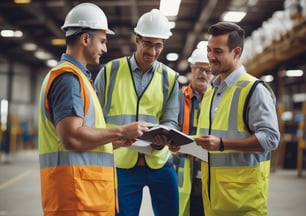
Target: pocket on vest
x,y
235,189
95,189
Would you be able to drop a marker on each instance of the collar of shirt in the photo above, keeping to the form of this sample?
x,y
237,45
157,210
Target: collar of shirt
x,y
71,59
197,94
135,68
230,79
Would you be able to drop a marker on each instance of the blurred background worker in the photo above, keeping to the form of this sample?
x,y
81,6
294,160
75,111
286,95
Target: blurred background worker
x,y
139,87
189,174
75,152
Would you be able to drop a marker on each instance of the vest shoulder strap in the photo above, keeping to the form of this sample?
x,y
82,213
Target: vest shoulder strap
x,y
248,98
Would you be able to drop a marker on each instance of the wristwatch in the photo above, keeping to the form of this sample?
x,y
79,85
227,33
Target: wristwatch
x,y
221,147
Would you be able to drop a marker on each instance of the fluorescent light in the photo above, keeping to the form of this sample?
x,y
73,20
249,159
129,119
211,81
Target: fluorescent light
x,y
29,46
294,73
299,97
287,116
11,33
40,54
51,63
172,56
233,16
22,1
170,7
58,42
7,33
18,33
267,78
182,79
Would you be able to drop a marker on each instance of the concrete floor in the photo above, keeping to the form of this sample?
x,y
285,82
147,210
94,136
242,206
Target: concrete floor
x,y
20,189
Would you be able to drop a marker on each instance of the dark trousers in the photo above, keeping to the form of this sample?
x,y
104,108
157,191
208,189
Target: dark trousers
x,y
196,201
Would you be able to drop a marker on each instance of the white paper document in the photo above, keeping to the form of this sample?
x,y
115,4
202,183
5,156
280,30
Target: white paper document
x,y
195,150
142,147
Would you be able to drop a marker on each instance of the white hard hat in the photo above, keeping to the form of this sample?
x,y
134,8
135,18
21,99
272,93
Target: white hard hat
x,y
153,24
198,55
85,15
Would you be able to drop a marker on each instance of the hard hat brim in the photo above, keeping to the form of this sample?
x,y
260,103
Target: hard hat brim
x,y
69,32
111,32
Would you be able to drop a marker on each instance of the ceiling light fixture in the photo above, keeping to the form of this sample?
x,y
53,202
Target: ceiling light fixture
x,y
267,78
183,80
40,54
29,46
294,73
233,16
172,56
58,42
51,63
11,33
22,1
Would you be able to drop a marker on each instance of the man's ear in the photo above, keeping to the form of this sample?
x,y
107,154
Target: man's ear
x,y
84,38
237,51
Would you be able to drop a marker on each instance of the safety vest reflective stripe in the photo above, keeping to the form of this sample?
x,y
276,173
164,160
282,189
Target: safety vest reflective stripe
x,y
166,88
236,159
125,119
219,133
113,74
234,105
76,158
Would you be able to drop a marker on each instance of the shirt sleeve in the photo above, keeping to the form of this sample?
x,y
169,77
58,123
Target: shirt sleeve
x,y
65,97
263,118
170,115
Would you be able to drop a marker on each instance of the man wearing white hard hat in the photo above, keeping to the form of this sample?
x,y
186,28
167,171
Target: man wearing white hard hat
x,y
189,173
75,148
139,87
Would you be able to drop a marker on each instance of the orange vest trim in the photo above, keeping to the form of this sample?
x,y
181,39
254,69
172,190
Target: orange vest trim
x,y
67,68
187,92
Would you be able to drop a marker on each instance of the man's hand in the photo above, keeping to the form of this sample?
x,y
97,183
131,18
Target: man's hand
x,y
208,142
123,143
159,142
174,148
134,130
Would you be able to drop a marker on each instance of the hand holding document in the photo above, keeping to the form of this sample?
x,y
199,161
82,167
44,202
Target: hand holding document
x,y
186,143
177,137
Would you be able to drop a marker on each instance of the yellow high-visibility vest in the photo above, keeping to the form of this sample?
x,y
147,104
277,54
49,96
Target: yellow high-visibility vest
x,y
122,106
233,183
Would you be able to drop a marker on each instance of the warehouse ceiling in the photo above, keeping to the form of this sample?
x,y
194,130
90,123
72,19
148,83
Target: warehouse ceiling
x,y
40,22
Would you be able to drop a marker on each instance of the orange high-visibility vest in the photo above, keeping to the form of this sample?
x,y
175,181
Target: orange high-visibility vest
x,y
74,183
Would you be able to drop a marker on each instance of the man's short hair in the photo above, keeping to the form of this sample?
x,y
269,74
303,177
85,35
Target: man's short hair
x,y
235,33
